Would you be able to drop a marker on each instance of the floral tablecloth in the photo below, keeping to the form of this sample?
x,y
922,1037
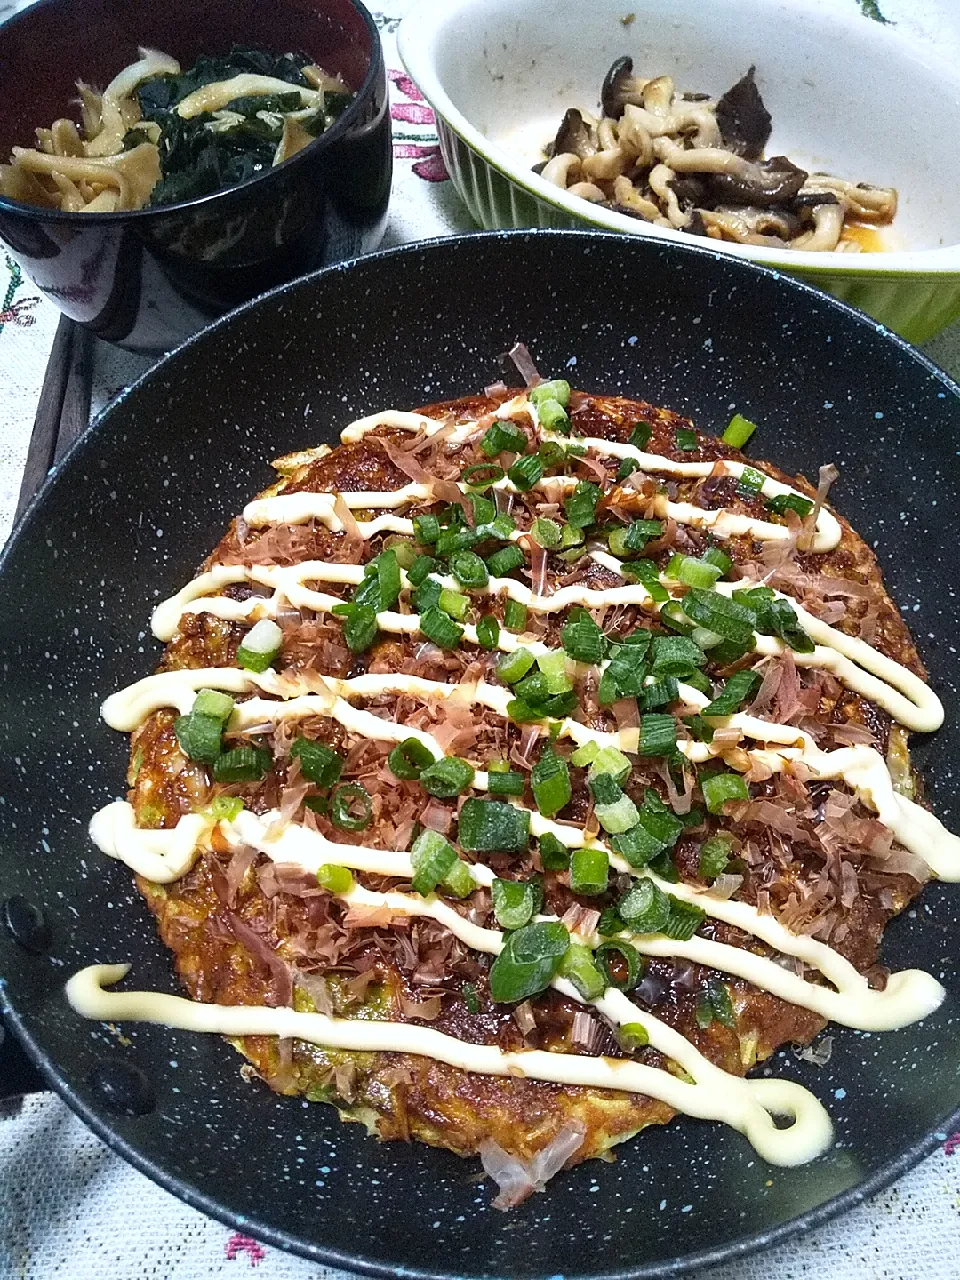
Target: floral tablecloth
x,y
65,1200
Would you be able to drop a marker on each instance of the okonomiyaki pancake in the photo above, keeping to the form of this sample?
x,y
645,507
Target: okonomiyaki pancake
x,y
522,772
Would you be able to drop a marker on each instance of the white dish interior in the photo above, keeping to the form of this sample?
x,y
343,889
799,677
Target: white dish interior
x,y
846,95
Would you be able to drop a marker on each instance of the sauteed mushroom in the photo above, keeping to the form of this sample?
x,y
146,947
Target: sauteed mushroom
x,y
693,163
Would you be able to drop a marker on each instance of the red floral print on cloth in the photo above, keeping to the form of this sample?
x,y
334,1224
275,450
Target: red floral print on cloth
x,y
952,1144
421,147
238,1244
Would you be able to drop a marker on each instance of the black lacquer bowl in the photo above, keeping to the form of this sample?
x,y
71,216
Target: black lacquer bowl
x,y
147,279
136,507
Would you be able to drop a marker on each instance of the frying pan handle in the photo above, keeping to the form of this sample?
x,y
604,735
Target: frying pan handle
x,y
17,1073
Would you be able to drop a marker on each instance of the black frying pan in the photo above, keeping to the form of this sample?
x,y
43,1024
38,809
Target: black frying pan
x,y
142,499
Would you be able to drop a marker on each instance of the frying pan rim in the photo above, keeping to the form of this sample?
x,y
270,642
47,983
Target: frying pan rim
x,y
284,1240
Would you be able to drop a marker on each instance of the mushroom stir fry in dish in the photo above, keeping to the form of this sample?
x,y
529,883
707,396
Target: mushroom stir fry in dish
x,y
686,161
522,772
158,135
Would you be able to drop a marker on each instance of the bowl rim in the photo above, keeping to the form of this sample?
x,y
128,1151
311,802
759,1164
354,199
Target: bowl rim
x,y
206,1201
340,126
416,41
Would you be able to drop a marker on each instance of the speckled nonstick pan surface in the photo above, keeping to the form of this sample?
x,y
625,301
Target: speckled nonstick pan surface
x,y
137,506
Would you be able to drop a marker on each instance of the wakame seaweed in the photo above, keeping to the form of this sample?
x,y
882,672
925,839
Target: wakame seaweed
x,y
216,150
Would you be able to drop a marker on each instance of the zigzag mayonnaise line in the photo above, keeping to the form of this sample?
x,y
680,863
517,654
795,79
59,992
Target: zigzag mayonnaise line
x,y
828,529
861,767
745,1104
908,995
855,663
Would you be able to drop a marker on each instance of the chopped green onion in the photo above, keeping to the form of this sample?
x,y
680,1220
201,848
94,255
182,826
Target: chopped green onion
x,y
199,736
586,754
484,509
718,613
212,703
226,808
637,845
715,854
714,1005
673,617
550,780
577,966
469,570
432,857
705,639
359,628
783,502
741,686
713,555
626,467
242,764
503,437
718,788
675,656
514,666
553,417
738,431
453,540
658,735
505,560
260,646
500,528
488,632
633,537
609,760
546,533
409,758
351,806
554,856
589,870
454,603
440,628
633,1035
489,473
319,763
685,439
491,825
404,550
426,595
609,922
447,777
581,505
683,920
508,783
557,389
529,961
553,667
664,866
426,528
515,616
640,435
659,694
644,908
695,573
334,879
583,640
514,903
420,569
648,575
699,728
526,472
614,809
388,574
571,537
751,482
620,964
470,998
659,821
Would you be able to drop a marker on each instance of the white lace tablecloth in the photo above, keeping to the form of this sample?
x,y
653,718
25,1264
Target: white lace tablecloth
x,y
64,1198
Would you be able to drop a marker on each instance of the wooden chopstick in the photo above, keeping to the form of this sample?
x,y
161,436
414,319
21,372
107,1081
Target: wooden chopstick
x,y
63,411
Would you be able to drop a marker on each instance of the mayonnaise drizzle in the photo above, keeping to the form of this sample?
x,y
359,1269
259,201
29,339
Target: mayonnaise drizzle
x,y
855,663
745,1104
908,995
862,768
721,522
